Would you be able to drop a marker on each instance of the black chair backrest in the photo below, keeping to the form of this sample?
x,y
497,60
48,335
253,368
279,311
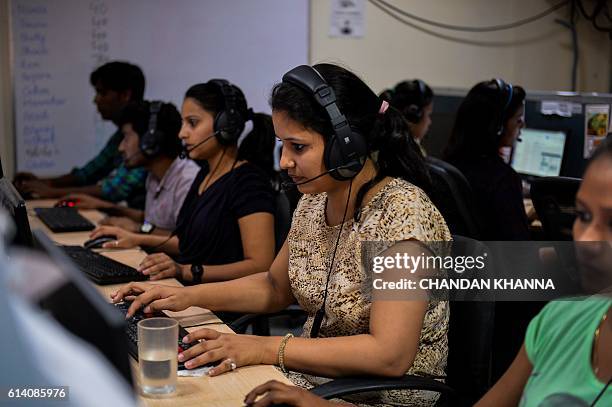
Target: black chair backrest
x,y
470,339
554,199
452,195
282,220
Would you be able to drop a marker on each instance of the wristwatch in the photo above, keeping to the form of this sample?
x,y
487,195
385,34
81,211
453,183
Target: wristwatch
x,y
147,227
197,271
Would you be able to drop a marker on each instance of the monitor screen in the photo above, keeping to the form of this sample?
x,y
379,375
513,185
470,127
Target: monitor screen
x,y
62,290
12,202
539,153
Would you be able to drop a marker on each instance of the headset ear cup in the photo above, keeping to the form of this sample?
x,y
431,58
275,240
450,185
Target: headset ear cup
x,y
504,92
228,127
329,159
219,126
229,123
150,143
333,158
413,113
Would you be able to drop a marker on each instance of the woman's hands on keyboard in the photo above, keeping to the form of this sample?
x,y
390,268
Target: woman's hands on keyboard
x,y
153,297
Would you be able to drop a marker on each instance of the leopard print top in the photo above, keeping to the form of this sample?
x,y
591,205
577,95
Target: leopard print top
x,y
399,211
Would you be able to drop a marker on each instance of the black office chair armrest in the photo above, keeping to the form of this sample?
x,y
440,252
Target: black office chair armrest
x,y
351,385
240,324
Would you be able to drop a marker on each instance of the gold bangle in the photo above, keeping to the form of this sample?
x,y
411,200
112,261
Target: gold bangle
x,y
281,351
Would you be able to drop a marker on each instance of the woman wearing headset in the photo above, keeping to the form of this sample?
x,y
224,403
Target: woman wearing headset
x,y
490,119
225,228
347,151
415,100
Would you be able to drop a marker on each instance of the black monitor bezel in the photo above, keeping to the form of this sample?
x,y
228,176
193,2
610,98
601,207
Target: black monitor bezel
x,y
11,200
103,326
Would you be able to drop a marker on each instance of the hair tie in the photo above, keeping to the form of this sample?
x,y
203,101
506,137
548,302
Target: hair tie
x,y
383,107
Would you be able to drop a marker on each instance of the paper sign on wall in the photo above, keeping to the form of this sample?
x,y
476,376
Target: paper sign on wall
x,y
596,126
347,18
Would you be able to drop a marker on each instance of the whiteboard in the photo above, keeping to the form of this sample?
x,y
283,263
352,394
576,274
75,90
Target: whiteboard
x,y
177,43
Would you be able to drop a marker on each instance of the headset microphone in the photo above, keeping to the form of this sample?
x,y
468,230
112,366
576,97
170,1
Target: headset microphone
x,y
185,152
289,184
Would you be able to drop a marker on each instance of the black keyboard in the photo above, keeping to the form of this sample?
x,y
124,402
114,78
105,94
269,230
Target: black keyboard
x,y
101,269
132,332
61,220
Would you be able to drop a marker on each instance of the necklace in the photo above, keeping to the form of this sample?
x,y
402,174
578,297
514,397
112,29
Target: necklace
x,y
596,341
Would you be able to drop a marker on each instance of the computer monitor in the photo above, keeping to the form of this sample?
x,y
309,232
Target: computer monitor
x,y
12,202
62,291
539,153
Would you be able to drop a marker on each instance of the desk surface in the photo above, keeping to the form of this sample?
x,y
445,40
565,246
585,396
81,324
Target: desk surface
x,y
225,390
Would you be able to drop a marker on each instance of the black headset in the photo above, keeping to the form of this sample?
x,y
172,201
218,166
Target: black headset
x,y
229,122
414,111
345,151
505,91
150,141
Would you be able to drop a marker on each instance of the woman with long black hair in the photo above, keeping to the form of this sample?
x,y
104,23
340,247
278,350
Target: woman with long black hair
x,y
489,122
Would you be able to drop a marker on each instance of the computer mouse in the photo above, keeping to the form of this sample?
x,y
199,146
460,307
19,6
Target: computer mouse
x,y
98,241
70,203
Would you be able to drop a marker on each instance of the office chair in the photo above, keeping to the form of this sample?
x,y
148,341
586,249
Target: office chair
x,y
468,369
261,322
452,195
554,201
282,220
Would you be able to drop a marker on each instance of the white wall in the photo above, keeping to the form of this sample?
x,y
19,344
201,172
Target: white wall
x,y
536,56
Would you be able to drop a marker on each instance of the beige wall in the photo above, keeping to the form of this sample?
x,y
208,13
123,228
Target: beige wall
x,y
537,56
6,105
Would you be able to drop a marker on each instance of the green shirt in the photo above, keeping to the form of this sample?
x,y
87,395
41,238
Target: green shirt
x,y
102,164
559,342
118,182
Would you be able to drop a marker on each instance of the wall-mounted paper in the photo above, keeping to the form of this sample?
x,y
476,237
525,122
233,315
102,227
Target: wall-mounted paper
x,y
347,18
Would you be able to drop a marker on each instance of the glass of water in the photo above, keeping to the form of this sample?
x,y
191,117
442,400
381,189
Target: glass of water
x,y
157,353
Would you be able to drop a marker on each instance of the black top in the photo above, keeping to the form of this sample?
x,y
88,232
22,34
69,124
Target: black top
x,y
207,224
498,194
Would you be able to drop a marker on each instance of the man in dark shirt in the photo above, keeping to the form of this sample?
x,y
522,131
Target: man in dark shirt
x,y
116,84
